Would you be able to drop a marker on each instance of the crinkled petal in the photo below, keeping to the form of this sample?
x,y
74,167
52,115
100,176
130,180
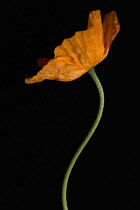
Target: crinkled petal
x,y
85,47
76,55
111,28
61,69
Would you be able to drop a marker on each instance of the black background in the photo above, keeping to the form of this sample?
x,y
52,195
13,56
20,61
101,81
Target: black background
x,y
43,124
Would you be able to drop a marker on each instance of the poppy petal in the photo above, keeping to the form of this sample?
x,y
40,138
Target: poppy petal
x,y
42,61
85,47
61,68
111,28
76,55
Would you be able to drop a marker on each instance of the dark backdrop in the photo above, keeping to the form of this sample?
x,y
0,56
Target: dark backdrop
x,y
43,124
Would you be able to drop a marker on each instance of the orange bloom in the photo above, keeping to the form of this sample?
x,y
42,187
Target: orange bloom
x,y
76,55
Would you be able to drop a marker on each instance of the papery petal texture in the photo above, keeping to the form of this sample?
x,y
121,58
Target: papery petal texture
x,y
76,55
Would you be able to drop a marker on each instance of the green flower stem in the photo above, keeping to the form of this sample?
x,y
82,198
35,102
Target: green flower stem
x,y
85,141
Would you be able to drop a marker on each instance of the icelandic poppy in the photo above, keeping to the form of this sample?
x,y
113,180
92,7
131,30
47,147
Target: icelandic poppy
x,y
76,55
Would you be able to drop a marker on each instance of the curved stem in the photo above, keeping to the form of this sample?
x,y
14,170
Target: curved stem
x,y
85,141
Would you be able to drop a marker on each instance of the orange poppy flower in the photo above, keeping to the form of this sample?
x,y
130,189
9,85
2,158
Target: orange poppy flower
x,y
76,55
